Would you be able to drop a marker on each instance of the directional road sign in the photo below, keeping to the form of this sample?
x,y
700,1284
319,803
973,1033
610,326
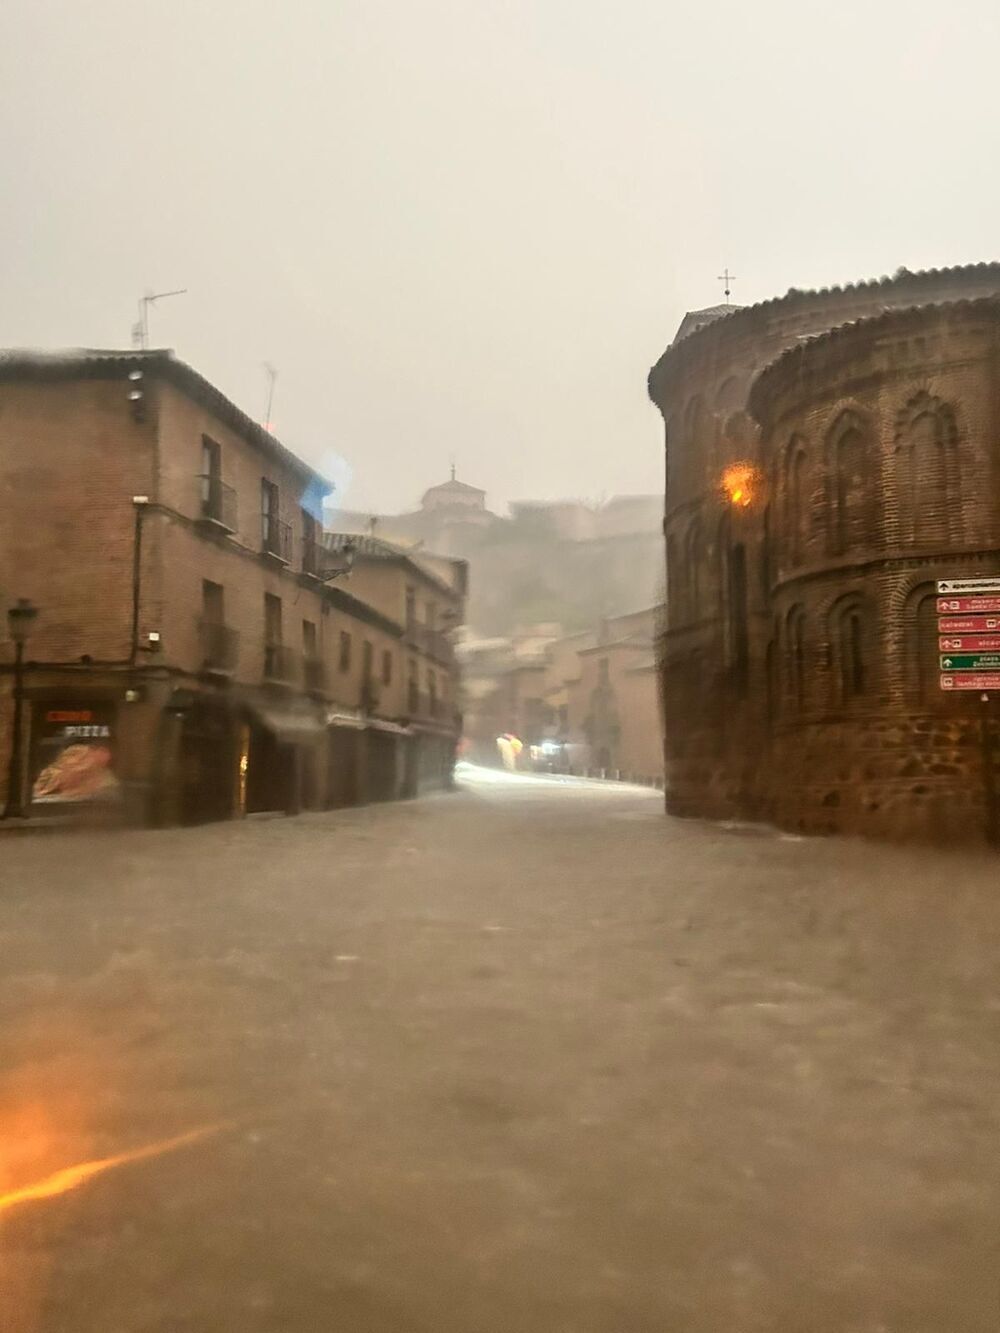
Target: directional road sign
x,y
970,643
958,587
987,680
969,625
970,662
950,606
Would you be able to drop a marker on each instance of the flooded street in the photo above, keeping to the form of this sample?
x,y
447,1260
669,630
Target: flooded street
x,y
526,1057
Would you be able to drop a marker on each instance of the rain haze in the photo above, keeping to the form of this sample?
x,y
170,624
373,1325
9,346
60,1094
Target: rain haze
x,y
465,230
552,886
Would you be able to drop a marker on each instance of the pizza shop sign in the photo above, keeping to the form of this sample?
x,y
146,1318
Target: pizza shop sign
x,y
73,754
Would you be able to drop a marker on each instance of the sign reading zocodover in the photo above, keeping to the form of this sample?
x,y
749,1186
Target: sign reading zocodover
x,y
970,661
967,587
969,634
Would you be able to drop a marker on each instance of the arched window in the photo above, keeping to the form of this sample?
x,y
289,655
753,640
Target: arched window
x,y
692,561
729,395
852,479
796,500
673,604
920,637
927,479
795,657
765,553
695,423
851,630
736,614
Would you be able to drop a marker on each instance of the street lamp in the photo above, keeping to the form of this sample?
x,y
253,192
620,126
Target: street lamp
x,y
20,618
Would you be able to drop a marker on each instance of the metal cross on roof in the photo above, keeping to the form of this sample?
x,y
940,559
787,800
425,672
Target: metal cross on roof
x,y
728,278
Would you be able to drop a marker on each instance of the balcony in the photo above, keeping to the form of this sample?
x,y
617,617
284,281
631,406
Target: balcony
x,y
312,558
276,538
279,663
314,674
218,503
371,693
219,647
433,643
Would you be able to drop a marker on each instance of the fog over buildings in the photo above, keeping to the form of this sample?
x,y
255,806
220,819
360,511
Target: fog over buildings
x,y
466,229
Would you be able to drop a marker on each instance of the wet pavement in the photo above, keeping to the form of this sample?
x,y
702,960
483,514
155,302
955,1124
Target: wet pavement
x,y
530,1057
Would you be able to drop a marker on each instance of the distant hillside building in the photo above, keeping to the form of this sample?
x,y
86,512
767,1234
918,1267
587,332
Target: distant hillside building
x,y
455,498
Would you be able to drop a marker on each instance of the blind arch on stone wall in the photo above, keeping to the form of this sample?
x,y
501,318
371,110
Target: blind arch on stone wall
x,y
693,556
851,634
796,488
852,475
920,647
928,483
795,645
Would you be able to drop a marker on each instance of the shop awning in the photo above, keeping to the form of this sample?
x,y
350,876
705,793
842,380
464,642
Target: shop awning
x,y
380,724
340,717
289,721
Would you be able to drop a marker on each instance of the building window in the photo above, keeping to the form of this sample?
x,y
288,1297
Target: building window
x,y
212,602
692,572
309,641
603,676
737,629
268,512
272,618
674,611
275,660
344,661
432,693
795,657
387,668
413,689
367,656
211,479
219,643
927,480
851,640
310,544
765,554
796,501
851,464
920,630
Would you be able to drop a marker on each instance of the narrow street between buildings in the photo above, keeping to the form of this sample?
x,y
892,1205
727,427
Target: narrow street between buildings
x,y
528,1058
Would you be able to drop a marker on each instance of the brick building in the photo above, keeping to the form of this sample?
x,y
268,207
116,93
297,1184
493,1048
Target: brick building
x,y
829,456
192,657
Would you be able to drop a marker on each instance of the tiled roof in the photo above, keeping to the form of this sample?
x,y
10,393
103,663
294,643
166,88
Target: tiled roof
x,y
377,548
793,359
903,277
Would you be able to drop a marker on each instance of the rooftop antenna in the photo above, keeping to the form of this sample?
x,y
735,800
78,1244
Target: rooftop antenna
x,y
728,278
272,375
140,330
453,467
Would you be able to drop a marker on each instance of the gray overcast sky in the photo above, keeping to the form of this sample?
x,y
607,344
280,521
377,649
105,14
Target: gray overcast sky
x,y
465,226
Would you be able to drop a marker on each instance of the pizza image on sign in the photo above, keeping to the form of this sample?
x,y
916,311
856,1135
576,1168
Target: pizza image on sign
x,y
78,773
